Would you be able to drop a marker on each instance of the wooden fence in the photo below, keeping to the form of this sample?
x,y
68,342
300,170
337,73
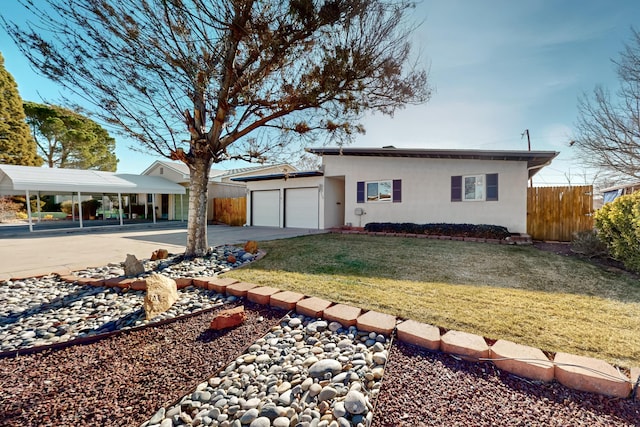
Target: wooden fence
x,y
231,211
556,213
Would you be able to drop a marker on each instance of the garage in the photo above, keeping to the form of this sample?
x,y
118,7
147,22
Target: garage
x,y
301,208
265,208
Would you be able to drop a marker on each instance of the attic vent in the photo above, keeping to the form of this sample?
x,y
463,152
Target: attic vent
x,y
161,171
389,146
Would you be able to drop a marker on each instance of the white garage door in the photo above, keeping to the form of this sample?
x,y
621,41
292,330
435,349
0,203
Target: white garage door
x,y
301,208
265,208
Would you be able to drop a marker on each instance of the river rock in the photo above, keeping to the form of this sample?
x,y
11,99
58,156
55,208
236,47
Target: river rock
x,y
355,402
323,367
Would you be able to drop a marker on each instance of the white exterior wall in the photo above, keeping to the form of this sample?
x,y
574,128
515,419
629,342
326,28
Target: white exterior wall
x,y
281,185
426,190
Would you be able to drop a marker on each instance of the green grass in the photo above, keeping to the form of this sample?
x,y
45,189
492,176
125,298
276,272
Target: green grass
x,y
518,293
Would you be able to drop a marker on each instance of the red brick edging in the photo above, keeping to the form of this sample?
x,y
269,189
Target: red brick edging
x,y
576,372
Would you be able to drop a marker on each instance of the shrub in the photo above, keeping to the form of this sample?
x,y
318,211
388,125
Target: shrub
x,y
66,207
588,243
89,207
455,230
618,225
8,209
22,201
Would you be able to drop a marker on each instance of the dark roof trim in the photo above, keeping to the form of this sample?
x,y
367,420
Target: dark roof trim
x,y
536,160
278,176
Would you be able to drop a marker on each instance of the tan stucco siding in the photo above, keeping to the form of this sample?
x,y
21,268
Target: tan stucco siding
x,y
169,174
426,190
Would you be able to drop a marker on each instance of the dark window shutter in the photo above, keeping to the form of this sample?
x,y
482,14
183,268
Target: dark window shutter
x,y
397,191
360,192
456,188
492,187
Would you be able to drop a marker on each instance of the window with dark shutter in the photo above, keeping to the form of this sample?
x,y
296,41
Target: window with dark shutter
x,y
492,187
397,191
360,192
456,188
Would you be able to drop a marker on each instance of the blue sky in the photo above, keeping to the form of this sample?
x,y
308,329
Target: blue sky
x,y
497,67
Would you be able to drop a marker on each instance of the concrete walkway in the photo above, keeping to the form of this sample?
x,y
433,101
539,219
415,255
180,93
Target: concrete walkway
x,y
24,254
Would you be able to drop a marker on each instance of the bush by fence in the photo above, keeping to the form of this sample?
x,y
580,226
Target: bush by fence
x,y
618,225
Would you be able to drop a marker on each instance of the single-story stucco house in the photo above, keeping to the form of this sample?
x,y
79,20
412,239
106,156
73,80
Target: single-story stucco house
x,y
356,186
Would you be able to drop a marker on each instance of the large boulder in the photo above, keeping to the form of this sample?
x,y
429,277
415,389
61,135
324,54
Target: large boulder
x,y
132,266
162,292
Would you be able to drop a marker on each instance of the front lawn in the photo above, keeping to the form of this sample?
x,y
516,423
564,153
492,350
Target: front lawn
x,y
518,293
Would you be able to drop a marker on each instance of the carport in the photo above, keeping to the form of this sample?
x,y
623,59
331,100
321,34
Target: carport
x,y
29,181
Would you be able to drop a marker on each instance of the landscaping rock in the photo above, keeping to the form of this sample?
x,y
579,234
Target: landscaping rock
x,y
132,266
162,292
251,246
228,318
159,254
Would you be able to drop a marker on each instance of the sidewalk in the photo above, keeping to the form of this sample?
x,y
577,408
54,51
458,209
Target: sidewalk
x,y
24,254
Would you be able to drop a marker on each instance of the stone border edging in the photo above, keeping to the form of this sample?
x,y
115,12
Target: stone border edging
x,y
576,372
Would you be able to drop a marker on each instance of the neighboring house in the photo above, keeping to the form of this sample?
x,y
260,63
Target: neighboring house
x,y
221,185
611,193
360,185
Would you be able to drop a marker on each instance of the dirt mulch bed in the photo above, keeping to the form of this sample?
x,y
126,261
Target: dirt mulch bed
x,y
122,380
422,388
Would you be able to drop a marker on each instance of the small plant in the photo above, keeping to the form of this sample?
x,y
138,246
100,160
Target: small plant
x,y
618,225
588,243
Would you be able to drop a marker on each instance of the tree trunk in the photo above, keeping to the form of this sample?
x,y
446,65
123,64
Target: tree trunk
x,y
197,244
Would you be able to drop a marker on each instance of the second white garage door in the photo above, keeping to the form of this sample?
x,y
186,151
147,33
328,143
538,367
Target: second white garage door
x,y
265,208
301,208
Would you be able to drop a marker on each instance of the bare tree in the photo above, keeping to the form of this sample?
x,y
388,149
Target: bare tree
x,y
608,127
203,81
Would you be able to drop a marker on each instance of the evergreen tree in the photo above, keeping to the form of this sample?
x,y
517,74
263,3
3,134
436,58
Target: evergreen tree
x,y
16,145
67,139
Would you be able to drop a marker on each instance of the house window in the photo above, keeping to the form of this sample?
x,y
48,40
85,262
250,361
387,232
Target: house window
x,y
379,191
471,188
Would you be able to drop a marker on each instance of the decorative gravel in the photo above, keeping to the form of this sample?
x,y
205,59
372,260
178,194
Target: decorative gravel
x,y
422,388
304,372
270,371
122,380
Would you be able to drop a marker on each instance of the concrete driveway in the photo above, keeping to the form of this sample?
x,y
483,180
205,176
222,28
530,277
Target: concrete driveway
x,y
24,254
